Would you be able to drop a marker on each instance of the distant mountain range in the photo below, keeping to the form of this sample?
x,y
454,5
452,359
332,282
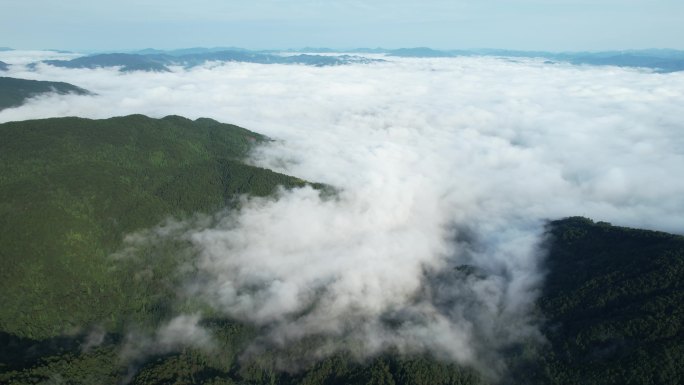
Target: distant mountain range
x,y
14,92
160,61
659,60
3,66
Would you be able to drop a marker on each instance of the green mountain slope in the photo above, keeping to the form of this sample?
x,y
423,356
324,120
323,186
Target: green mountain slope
x,y
14,92
71,188
613,302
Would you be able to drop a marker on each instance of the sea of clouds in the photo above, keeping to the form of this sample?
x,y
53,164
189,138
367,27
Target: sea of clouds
x,y
438,164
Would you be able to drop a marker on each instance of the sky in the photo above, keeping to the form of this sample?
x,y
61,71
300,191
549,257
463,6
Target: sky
x,y
555,25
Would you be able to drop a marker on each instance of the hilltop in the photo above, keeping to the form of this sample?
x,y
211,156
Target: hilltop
x,y
14,92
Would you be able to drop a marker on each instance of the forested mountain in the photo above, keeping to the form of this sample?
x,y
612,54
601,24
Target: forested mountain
x,y
613,306
13,92
72,188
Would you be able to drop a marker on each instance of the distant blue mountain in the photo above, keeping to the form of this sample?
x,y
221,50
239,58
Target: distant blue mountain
x,y
159,61
3,66
660,60
670,62
127,62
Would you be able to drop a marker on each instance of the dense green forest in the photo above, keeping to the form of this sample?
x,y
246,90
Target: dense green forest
x,y
71,188
13,91
614,306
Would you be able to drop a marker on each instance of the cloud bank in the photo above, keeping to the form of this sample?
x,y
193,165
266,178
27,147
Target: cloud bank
x,y
447,170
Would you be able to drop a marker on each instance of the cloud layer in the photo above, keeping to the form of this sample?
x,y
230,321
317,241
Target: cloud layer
x,y
447,170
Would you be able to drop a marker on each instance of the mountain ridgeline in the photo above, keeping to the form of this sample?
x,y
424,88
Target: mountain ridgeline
x,y
153,60
71,189
160,62
14,92
657,60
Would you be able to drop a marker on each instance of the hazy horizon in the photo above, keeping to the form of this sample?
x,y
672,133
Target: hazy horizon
x,y
560,25
322,47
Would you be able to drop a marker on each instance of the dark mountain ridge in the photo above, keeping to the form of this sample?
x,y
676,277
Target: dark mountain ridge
x,y
14,92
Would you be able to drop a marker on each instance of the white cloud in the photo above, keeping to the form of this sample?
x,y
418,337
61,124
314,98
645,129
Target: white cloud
x,y
440,162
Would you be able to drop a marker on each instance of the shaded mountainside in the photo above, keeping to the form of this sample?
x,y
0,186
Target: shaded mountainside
x,y
14,92
71,188
159,61
613,306
3,66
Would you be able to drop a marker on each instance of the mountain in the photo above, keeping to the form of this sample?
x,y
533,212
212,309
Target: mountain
x,y
159,61
72,189
3,66
613,306
644,59
14,92
127,62
191,60
657,60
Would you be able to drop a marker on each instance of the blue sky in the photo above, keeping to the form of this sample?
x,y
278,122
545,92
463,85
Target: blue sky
x,y
259,24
